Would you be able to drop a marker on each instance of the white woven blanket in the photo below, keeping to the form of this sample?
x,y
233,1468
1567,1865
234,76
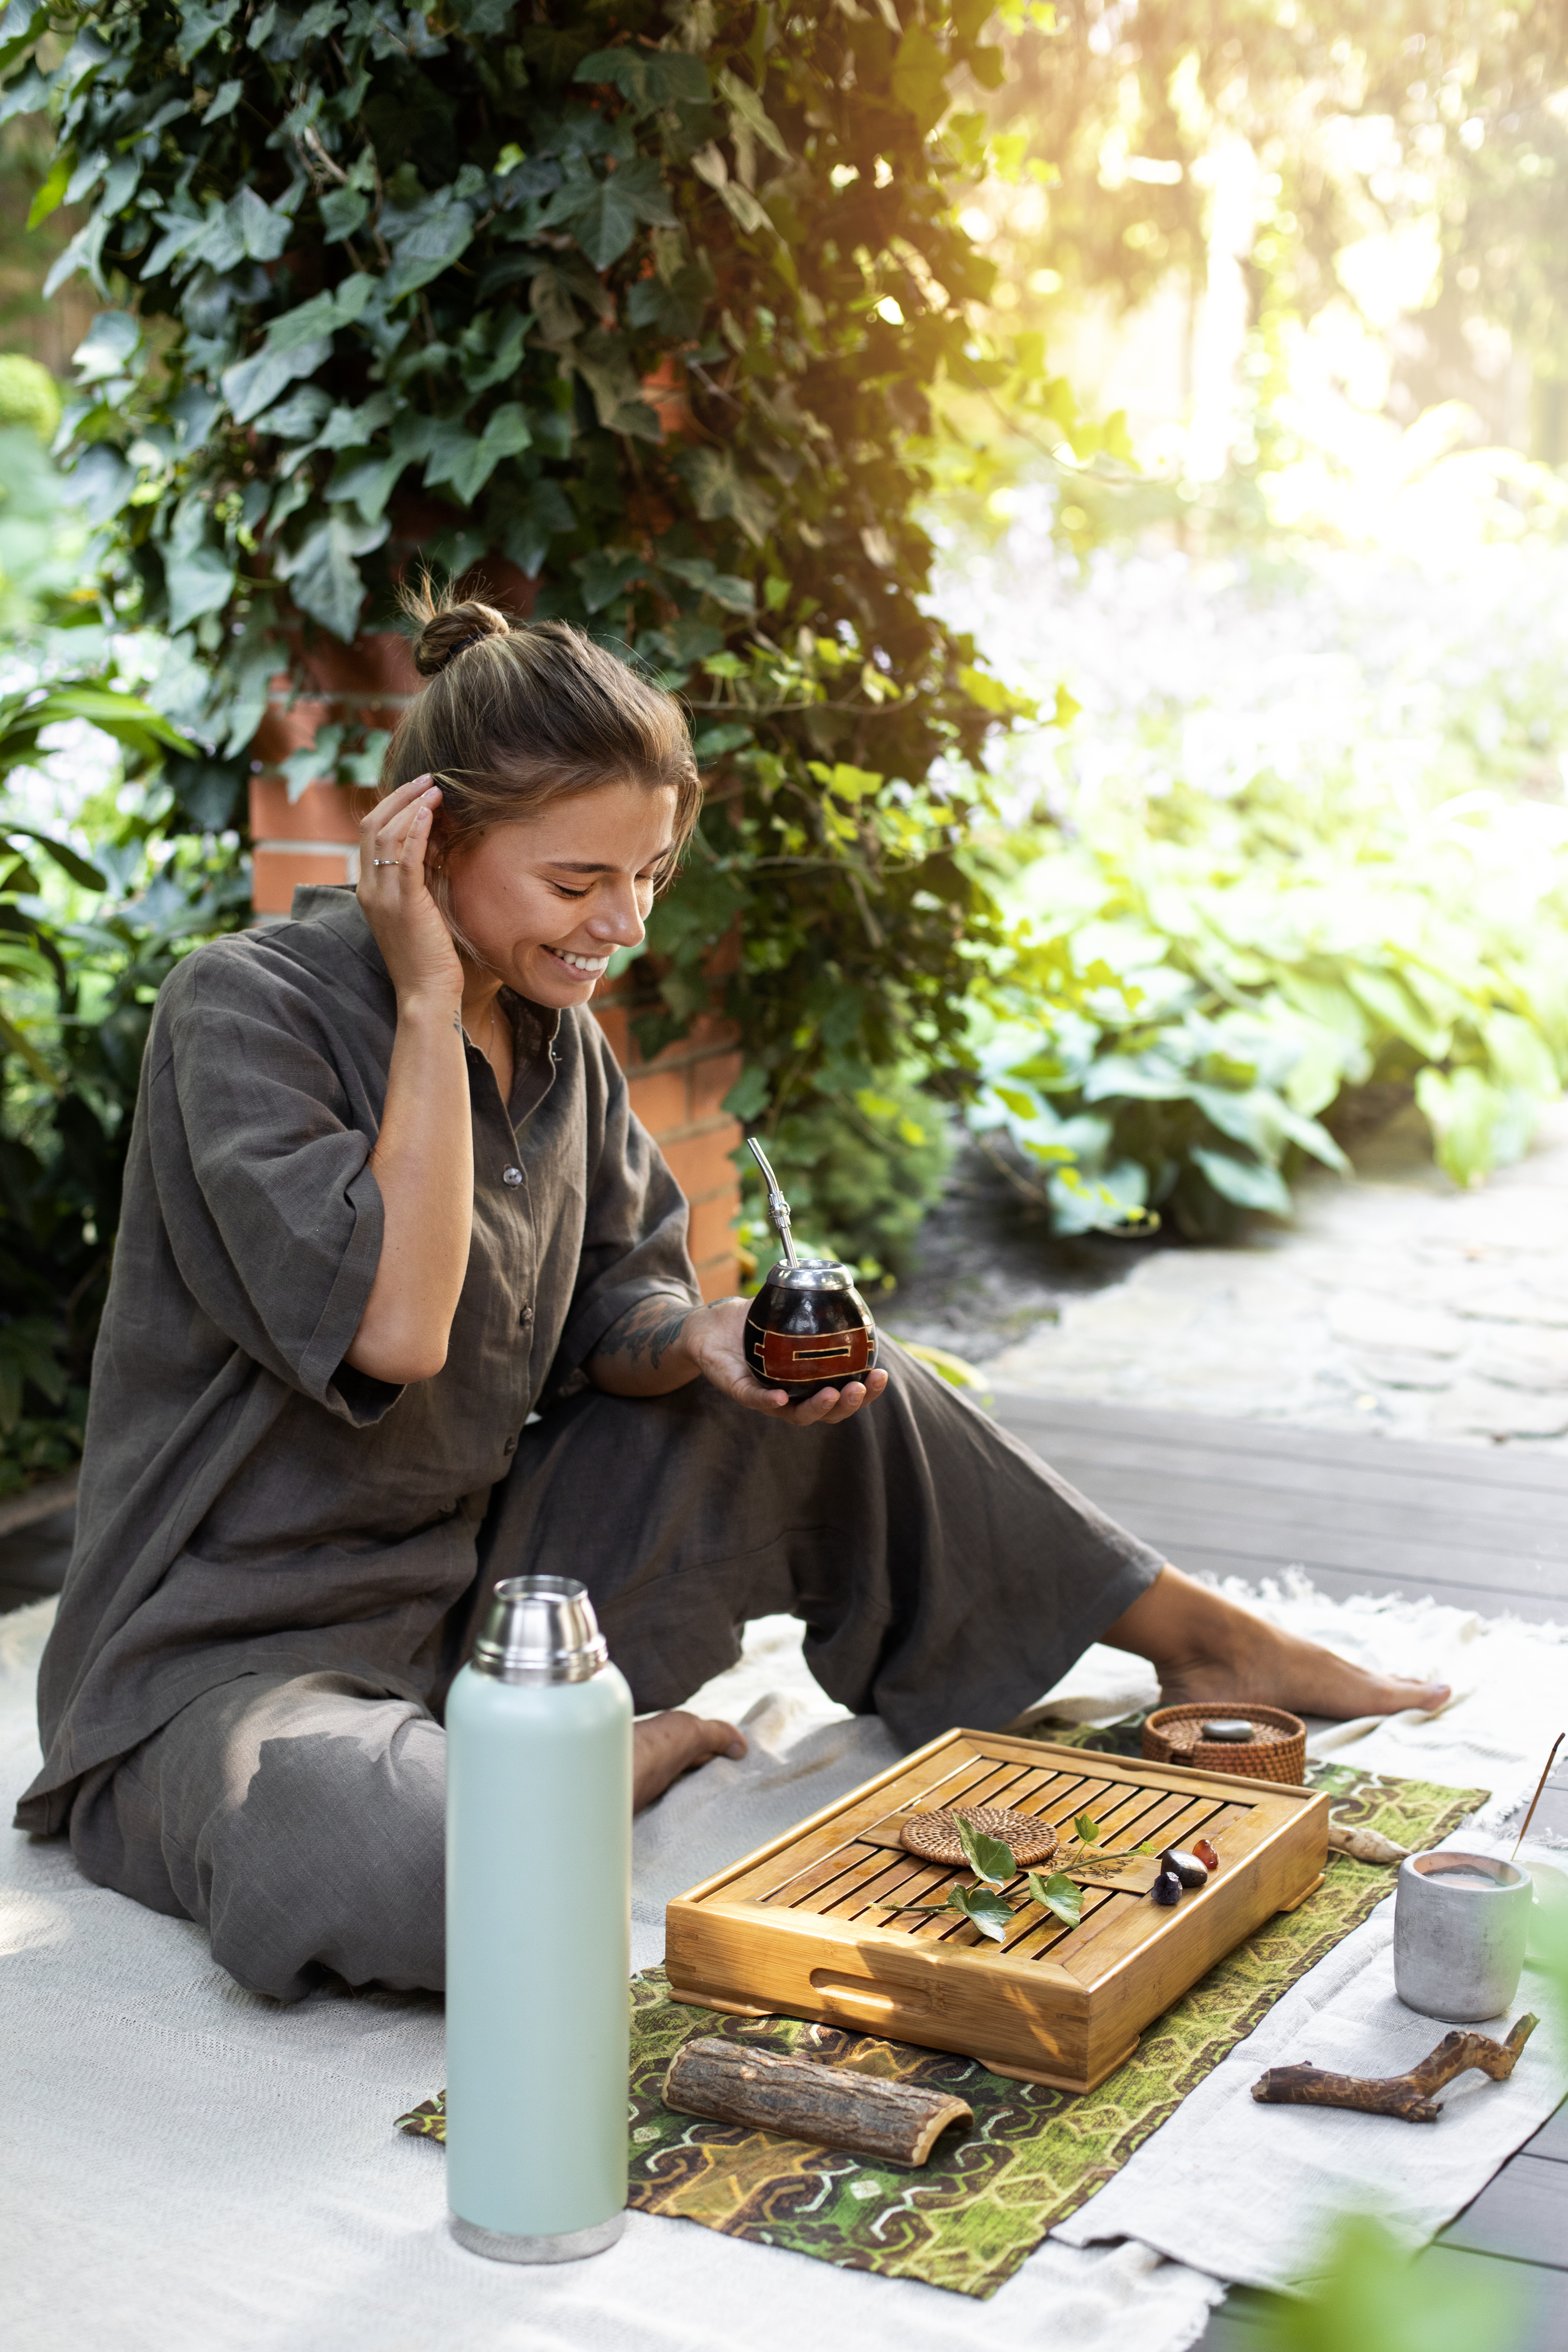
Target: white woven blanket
x,y
185,2165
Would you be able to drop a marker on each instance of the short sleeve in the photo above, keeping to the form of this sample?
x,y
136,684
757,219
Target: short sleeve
x,y
634,1240
269,1200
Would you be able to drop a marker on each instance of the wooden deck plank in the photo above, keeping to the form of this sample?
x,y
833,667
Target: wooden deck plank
x,y
1551,2139
1240,2323
1467,1526
1468,1465
1356,1506
1523,2214
1273,1482
1400,1549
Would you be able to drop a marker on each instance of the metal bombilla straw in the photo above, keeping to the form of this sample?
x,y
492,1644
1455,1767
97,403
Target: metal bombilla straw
x,y
778,1207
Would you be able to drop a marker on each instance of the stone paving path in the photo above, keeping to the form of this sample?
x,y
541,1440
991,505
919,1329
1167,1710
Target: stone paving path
x,y
1395,1305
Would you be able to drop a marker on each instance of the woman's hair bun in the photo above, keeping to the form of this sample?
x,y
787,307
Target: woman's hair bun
x,y
448,629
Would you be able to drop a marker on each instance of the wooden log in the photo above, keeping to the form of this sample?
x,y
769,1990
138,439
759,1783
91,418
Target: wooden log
x,y
735,2083
1406,2096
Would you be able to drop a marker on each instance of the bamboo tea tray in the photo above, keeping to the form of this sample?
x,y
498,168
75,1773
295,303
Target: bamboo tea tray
x,y
795,1929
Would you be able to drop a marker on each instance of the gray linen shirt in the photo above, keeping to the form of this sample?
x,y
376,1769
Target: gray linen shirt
x,y
249,1502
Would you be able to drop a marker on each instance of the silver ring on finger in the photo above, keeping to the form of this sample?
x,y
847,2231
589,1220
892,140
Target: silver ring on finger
x,y
386,861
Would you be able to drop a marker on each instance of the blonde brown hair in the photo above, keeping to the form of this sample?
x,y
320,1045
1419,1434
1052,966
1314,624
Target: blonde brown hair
x,y
519,714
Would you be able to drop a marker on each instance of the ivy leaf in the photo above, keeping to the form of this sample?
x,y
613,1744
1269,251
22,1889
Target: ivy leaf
x,y
675,309
603,214
711,742
527,531
101,482
428,249
602,360
988,1857
106,347
20,27
920,77
198,25
1088,1829
550,53
343,211
749,107
648,78
52,191
467,460
984,1910
486,16
605,571
199,580
726,588
323,313
1058,1894
323,577
721,491
300,416
245,229
256,383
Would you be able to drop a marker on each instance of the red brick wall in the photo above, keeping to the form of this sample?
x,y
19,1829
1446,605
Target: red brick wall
x,y
314,839
677,1096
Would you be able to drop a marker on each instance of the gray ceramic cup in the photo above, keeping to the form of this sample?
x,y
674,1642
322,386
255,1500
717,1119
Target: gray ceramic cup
x,y
1460,1925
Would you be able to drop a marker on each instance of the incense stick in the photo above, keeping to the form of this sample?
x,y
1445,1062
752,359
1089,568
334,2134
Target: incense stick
x,y
1536,1798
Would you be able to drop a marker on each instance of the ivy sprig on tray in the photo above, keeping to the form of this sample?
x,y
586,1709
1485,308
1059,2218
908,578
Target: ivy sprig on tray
x,y
992,1859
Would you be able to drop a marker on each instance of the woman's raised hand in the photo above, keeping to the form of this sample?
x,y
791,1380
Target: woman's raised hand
x,y
394,845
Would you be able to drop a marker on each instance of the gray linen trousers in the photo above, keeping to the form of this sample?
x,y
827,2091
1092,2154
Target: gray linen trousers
x,y
280,1563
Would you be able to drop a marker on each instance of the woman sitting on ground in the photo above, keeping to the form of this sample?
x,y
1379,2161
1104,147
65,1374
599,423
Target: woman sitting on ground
x,y
384,1203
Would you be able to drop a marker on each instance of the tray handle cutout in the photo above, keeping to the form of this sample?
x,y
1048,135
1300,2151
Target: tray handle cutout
x,y
877,1999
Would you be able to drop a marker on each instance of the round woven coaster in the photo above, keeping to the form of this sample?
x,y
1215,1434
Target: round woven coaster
x,y
1277,1750
934,1836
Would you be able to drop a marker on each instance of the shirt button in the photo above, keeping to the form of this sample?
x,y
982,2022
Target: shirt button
x,y
512,1176
526,1316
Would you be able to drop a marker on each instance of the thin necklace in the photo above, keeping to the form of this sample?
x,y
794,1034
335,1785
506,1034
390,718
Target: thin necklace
x,y
489,1032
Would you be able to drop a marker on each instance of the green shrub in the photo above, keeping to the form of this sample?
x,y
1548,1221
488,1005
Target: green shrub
x,y
29,396
1238,977
84,944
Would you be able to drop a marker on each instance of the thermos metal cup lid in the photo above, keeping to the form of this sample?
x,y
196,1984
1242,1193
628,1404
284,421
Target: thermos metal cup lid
x,y
541,1629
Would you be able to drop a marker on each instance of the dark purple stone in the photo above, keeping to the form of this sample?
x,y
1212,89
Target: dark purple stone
x,y
1167,1888
1187,1867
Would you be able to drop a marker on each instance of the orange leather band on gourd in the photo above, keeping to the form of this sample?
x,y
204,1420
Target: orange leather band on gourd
x,y
816,1356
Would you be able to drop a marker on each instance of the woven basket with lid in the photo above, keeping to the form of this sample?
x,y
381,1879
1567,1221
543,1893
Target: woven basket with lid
x,y
1275,1751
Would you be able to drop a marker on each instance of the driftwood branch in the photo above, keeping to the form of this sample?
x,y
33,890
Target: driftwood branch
x,y
733,2082
1407,2096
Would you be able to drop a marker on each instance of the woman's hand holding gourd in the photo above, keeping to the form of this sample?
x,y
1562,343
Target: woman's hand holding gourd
x,y
713,1338
393,889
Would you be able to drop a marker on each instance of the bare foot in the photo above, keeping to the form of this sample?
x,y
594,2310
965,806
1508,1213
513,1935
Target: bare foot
x,y
1203,1647
666,1746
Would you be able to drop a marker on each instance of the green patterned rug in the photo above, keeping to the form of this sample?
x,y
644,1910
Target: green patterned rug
x,y
968,2217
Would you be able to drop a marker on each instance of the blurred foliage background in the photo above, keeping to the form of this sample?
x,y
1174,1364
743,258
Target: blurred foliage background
x,y
1115,560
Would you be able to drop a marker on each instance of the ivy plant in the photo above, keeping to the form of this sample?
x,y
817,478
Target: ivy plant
x,y
639,308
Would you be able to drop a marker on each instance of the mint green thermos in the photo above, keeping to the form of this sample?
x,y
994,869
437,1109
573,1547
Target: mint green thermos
x,y
539,1841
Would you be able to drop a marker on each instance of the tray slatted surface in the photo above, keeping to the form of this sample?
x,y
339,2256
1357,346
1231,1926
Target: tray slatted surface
x,y
800,1926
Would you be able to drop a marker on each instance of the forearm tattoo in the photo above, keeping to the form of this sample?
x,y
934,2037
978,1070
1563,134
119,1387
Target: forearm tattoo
x,y
645,1332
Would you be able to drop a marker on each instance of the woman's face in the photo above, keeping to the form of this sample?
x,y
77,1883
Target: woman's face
x,y
548,900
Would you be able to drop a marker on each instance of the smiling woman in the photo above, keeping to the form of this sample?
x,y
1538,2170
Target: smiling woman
x,y
533,800
401,1305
